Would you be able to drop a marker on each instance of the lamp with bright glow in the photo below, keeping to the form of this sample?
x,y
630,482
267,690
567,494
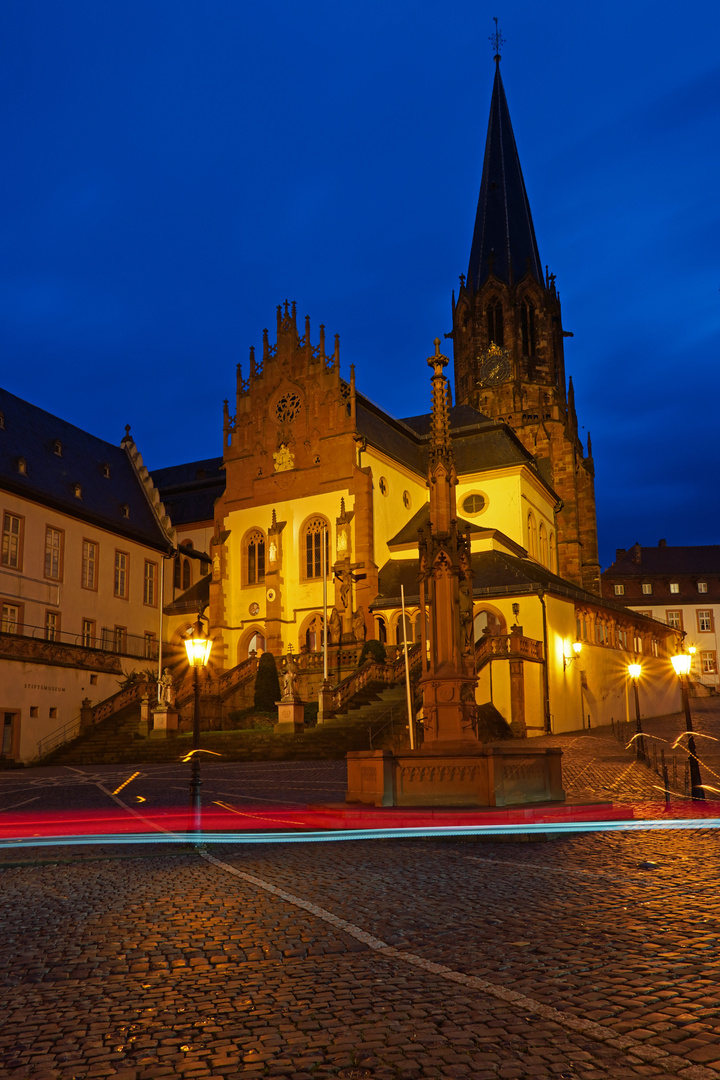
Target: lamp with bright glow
x,y
681,663
634,671
198,645
577,649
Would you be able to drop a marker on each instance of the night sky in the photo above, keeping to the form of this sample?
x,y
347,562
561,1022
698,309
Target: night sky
x,y
175,169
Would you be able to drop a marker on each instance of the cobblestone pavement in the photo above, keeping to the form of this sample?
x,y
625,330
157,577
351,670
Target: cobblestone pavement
x,y
590,956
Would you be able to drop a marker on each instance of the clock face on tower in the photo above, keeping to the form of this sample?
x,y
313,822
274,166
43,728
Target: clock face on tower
x,y
494,366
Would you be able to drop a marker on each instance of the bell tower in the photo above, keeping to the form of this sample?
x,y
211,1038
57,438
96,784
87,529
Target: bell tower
x,y
508,344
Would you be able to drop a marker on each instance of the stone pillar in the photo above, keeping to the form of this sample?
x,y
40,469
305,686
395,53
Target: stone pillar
x,y
86,714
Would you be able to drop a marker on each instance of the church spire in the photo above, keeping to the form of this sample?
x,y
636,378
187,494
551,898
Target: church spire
x,y
504,238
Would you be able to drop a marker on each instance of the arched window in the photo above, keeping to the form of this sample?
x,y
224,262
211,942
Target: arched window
x,y
255,558
256,644
311,548
528,317
313,637
177,572
553,553
543,544
487,622
495,327
532,535
399,639
381,629
186,574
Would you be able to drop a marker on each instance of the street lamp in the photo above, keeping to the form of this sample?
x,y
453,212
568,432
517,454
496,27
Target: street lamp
x,y
198,646
577,649
634,671
681,663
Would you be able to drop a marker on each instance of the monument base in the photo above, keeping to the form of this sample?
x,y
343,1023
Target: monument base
x,y
456,774
291,718
325,696
165,722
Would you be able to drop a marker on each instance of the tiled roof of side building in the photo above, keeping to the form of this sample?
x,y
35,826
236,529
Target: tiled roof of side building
x,y
60,459
640,561
496,573
190,491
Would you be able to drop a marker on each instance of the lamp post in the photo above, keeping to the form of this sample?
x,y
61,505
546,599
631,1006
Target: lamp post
x,y
198,646
681,663
634,671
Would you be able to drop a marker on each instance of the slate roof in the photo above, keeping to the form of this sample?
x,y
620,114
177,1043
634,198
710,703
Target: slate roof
x,y
421,520
31,433
479,443
192,600
190,491
642,562
496,574
503,223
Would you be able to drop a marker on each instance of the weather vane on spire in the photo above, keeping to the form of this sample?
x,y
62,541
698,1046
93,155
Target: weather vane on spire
x,y
496,39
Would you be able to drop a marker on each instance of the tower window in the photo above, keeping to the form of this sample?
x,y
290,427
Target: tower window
x,y
313,533
527,326
496,335
255,558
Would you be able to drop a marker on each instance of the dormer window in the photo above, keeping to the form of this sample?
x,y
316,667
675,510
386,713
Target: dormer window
x,y
674,587
106,471
125,510
22,466
77,491
702,586
57,448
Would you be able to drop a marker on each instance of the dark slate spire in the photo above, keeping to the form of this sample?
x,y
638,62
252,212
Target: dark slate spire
x,y
504,237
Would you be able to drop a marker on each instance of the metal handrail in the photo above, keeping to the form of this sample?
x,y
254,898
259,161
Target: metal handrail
x,y
59,737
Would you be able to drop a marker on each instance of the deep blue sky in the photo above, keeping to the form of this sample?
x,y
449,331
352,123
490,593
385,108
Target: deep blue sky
x,y
174,169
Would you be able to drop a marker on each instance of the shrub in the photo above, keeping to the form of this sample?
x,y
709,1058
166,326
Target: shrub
x,y
373,650
267,683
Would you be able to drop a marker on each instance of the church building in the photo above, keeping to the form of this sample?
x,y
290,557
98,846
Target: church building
x,y
310,522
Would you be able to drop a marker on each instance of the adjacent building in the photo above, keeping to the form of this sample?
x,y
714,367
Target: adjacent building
x,y
679,586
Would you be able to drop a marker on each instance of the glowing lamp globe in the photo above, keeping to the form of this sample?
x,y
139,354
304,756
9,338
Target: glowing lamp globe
x,y
577,647
634,670
681,662
198,646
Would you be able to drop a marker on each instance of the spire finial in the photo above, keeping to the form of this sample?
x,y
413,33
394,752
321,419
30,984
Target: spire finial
x,y
496,40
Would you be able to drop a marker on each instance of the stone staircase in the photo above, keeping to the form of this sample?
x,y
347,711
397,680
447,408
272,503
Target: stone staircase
x,y
378,721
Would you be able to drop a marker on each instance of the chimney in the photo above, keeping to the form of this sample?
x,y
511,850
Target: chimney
x,y
636,553
620,553
662,543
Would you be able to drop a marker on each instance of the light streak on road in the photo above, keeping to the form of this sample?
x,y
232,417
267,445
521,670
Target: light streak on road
x,y
125,784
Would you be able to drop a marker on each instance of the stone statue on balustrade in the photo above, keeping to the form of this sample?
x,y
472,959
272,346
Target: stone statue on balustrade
x,y
358,625
167,690
334,627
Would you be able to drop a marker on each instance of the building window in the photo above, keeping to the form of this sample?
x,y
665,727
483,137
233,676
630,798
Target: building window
x,y
527,326
674,587
12,537
543,544
619,590
532,535
52,625
106,471
473,504
88,633
149,582
255,558
709,663
647,588
399,639
150,646
22,466
120,638
495,328
312,547
57,448
53,553
53,712
705,621
638,643
622,638
89,564
702,586
121,580
11,619
186,574
314,634
77,491
177,572
655,647
381,629
553,553
674,619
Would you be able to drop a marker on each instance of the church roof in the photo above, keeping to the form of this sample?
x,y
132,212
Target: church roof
x,y
189,491
496,573
421,520
504,233
60,458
